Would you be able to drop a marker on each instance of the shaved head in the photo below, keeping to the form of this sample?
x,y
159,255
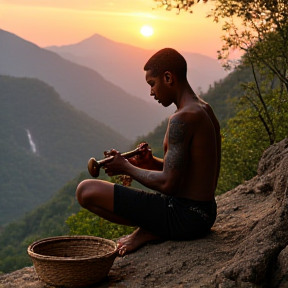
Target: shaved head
x,y
167,59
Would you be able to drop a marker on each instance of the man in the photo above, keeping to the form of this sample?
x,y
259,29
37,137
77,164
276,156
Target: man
x,y
185,180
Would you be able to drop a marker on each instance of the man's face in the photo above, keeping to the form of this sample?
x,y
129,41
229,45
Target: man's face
x,y
158,88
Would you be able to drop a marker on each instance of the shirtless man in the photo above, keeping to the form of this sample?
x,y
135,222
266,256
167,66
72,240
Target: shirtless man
x,y
183,207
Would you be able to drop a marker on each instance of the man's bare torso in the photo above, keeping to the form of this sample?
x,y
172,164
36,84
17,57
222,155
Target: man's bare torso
x,y
201,172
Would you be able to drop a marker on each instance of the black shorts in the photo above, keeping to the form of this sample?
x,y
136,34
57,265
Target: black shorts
x,y
171,218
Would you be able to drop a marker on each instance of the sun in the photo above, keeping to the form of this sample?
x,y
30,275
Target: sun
x,y
147,30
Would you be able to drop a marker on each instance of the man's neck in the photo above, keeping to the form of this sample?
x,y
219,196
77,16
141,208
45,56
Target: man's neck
x,y
184,96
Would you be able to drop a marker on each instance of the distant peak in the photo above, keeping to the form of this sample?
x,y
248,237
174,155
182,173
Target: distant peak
x,y
97,37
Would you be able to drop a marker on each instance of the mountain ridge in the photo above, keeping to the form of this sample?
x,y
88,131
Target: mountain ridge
x,y
103,55
82,87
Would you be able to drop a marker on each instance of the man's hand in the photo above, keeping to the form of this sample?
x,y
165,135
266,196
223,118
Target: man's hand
x,y
117,165
143,160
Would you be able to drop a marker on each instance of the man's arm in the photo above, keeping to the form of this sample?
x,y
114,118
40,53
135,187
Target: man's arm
x,y
175,160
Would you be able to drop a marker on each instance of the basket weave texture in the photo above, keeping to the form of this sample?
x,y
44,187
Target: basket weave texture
x,y
72,261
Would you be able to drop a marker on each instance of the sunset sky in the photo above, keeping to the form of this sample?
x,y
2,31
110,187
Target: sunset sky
x,y
61,22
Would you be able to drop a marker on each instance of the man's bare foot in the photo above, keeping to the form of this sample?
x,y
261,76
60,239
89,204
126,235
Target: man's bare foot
x,y
130,243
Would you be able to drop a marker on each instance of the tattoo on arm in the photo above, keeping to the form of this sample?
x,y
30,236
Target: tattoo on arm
x,y
149,176
176,154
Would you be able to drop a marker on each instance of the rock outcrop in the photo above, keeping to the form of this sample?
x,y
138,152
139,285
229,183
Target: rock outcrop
x,y
246,248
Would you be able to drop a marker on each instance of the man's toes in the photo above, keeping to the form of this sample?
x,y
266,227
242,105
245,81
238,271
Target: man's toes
x,y
122,251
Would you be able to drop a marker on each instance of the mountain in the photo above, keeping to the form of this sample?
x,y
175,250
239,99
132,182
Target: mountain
x,y
123,64
82,87
44,142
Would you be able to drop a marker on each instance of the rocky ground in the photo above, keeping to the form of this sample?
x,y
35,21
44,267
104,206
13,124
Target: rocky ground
x,y
246,248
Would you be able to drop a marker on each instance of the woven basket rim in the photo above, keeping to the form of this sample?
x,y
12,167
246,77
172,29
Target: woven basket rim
x,y
32,254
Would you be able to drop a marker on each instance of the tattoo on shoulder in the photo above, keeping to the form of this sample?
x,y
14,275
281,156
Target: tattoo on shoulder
x,y
176,154
177,131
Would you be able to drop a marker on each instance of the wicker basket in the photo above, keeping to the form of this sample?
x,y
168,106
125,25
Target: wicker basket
x,y
72,261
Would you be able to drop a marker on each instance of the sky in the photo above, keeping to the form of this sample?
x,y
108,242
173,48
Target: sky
x,y
64,22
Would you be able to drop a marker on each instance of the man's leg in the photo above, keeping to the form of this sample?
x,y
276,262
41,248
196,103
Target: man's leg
x,y
97,196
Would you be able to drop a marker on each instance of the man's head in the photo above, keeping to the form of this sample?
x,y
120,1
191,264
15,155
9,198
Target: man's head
x,y
167,59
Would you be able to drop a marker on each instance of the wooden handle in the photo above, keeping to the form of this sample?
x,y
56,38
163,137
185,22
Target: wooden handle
x,y
94,165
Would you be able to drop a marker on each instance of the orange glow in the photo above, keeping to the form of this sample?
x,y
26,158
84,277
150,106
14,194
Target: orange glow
x,y
62,22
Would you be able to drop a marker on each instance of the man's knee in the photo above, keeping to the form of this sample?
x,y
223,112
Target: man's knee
x,y
81,192
95,193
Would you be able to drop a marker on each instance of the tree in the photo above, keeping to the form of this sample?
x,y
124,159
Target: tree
x,y
244,140
262,110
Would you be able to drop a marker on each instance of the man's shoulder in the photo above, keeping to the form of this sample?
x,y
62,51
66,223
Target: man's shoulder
x,y
185,119
189,113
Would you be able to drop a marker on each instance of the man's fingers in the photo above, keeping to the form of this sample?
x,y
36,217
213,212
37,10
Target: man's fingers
x,y
113,152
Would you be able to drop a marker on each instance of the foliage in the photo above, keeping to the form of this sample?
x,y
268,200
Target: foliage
x,y
179,5
263,36
261,119
87,223
260,20
244,140
46,221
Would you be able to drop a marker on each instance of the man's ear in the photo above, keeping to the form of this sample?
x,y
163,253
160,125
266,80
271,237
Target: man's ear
x,y
168,77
